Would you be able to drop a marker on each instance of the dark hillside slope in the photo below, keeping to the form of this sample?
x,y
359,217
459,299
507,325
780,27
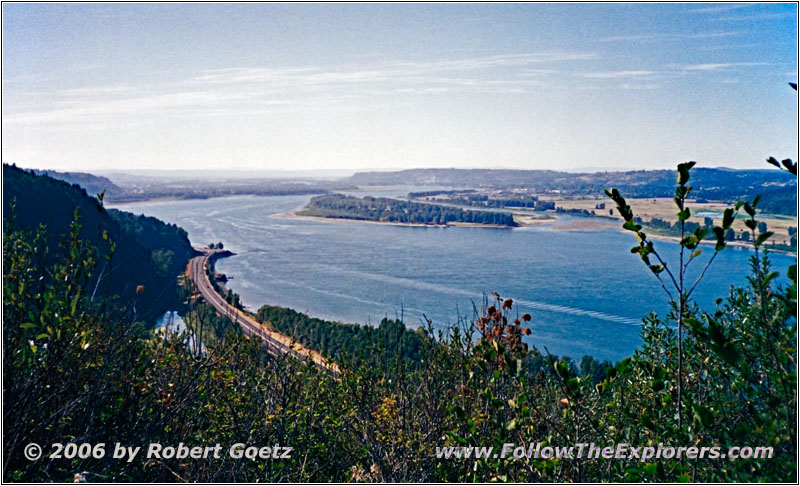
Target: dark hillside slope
x,y
782,200
92,183
148,253
168,243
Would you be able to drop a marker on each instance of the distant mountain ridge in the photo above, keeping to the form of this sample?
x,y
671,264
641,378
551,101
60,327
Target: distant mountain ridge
x,y
92,183
710,183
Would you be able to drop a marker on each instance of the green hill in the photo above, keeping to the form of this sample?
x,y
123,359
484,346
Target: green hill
x,y
92,183
780,201
148,254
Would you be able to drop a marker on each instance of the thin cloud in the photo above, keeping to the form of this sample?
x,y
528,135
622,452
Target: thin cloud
x,y
666,37
719,8
387,70
217,92
721,66
639,86
760,16
618,74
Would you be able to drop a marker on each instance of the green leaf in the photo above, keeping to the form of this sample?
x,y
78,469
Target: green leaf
x,y
728,352
790,166
763,237
455,437
683,176
689,242
561,369
74,304
631,226
683,172
657,385
749,209
458,411
727,218
28,325
696,326
697,253
703,415
683,478
700,233
574,384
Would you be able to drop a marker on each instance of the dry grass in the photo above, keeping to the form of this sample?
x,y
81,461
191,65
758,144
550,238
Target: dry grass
x,y
665,209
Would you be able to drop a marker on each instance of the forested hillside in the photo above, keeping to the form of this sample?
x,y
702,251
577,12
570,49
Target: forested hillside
x,y
338,341
92,183
780,201
148,254
168,243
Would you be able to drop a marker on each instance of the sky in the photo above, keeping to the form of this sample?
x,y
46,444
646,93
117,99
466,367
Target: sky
x,y
392,86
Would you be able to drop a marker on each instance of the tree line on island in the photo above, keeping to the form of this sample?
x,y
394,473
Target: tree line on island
x,y
480,199
388,210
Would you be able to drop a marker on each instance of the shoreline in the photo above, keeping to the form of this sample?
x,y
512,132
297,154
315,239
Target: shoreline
x,y
587,224
737,243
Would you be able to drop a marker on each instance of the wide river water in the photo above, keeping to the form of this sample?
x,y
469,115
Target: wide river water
x,y
585,291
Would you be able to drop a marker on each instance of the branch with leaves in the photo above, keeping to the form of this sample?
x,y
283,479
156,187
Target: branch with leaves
x,y
645,249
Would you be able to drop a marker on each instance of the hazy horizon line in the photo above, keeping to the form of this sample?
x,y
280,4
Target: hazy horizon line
x,y
352,171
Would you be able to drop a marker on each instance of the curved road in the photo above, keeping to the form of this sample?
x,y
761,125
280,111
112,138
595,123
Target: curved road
x,y
277,343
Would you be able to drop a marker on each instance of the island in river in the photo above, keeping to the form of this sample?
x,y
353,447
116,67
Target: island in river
x,y
396,211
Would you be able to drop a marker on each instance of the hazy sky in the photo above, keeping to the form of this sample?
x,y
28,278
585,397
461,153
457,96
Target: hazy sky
x,y
361,86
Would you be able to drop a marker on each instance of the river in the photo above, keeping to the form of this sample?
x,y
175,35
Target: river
x,y
585,291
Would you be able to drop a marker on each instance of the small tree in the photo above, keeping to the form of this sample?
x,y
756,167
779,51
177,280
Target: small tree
x,y
681,291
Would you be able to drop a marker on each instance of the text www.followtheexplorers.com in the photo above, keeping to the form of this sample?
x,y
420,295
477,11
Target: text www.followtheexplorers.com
x,y
586,450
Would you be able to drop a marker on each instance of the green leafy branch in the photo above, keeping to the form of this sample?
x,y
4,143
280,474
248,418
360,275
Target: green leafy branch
x,y
646,249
